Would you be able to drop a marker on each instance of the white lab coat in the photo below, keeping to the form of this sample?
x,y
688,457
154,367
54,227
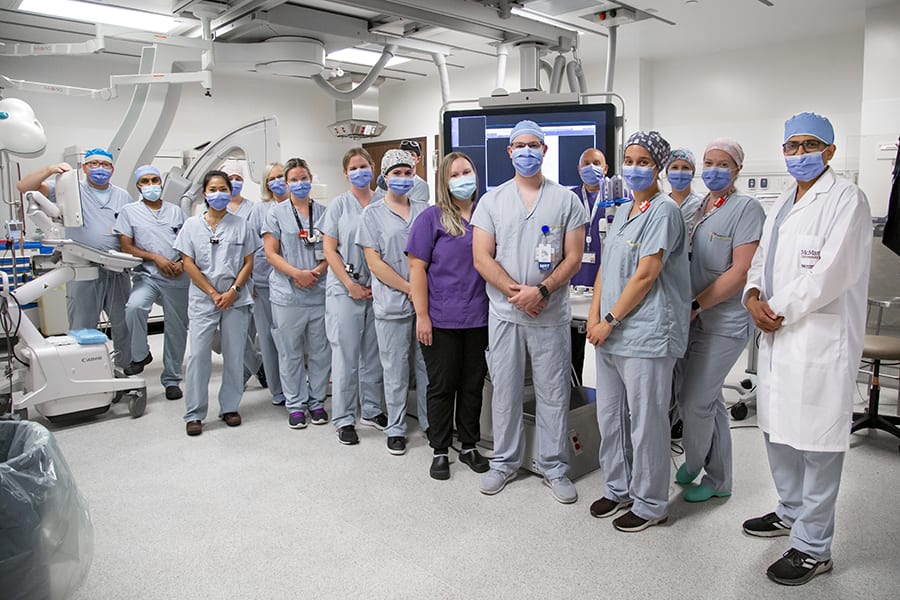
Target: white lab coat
x,y
807,369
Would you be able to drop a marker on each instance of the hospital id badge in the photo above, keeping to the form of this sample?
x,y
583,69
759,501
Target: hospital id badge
x,y
809,257
543,254
319,254
589,258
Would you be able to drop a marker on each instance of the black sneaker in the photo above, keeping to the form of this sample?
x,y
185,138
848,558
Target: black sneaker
x,y
766,526
631,523
396,445
476,461
173,392
261,377
379,421
138,367
604,507
440,467
347,435
796,568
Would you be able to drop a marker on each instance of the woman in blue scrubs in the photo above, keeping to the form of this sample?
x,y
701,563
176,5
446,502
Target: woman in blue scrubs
x,y
723,237
639,325
217,249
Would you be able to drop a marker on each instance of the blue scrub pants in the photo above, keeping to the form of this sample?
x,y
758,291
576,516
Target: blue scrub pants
x,y
808,485
108,293
262,318
300,330
398,347
550,349
233,323
633,397
356,374
145,292
707,431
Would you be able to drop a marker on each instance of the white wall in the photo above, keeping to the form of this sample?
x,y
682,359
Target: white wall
x,y
880,123
303,112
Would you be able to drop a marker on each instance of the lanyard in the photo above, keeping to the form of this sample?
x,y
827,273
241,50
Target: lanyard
x,y
700,214
302,233
644,206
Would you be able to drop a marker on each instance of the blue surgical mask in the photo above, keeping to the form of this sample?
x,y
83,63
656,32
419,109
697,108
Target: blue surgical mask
x,y
361,178
152,192
218,200
278,187
300,189
400,185
236,187
716,179
805,167
463,187
99,175
592,175
637,178
679,179
527,161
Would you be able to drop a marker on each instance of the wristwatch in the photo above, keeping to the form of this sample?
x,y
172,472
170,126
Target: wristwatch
x,y
695,306
236,288
611,319
545,293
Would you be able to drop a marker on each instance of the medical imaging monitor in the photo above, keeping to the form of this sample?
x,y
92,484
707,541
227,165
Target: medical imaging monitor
x,y
483,134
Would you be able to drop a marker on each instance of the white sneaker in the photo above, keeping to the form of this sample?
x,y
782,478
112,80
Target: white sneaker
x,y
562,489
494,481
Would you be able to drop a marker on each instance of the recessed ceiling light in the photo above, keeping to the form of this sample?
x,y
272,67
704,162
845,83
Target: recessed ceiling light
x,y
357,56
100,13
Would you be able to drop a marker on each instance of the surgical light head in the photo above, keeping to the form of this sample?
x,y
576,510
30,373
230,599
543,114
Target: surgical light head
x,y
20,131
807,123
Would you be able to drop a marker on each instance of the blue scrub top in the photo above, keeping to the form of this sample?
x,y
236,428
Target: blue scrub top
x,y
257,222
689,207
153,231
99,209
341,221
517,233
658,326
281,224
219,262
386,232
587,274
714,237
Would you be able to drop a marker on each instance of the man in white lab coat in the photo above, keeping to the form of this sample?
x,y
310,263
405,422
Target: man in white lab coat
x,y
806,290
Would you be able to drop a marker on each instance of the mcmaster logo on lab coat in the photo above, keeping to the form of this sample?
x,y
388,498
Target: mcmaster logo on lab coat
x,y
809,257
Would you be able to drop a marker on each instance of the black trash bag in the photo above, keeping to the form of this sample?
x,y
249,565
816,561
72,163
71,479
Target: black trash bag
x,y
46,533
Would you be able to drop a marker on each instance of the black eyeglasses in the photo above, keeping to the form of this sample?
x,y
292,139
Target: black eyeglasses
x,y
790,148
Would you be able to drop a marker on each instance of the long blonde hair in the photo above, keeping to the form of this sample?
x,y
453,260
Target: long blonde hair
x,y
265,194
451,219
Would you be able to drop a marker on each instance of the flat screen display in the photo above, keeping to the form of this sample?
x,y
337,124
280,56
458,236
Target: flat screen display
x,y
569,130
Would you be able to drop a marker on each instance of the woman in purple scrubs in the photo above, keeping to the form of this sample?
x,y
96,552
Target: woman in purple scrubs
x,y
451,314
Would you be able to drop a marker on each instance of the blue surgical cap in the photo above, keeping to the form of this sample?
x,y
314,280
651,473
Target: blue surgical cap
x,y
526,127
145,170
97,152
808,123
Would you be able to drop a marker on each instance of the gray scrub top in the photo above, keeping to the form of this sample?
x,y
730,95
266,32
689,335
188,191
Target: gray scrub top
x,y
244,209
690,206
386,232
715,236
257,221
341,221
419,190
658,326
153,231
281,224
221,262
517,233
99,209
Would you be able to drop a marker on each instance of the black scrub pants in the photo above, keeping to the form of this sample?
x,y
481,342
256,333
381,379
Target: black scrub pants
x,y
456,369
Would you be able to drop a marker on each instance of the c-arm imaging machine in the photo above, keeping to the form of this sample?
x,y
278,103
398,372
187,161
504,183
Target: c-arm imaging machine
x,y
69,375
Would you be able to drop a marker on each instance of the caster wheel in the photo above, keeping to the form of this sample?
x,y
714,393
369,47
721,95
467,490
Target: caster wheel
x,y
747,384
739,411
137,402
